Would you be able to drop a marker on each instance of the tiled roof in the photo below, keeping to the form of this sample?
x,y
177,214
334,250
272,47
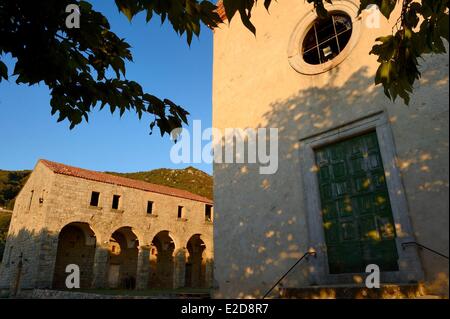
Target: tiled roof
x,y
221,10
63,169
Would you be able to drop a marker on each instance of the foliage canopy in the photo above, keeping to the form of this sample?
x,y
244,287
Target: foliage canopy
x,y
75,64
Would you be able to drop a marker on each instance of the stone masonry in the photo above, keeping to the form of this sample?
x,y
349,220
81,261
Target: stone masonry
x,y
122,233
265,223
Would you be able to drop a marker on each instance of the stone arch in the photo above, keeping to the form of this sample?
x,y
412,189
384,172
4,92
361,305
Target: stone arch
x,y
195,274
122,258
162,260
138,232
76,245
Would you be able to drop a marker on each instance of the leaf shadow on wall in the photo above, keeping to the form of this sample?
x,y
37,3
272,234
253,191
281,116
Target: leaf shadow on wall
x,y
264,228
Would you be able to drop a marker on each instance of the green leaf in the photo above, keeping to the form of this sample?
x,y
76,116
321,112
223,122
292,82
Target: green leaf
x,y
387,6
128,8
386,70
247,23
3,71
443,26
322,13
384,73
149,15
231,7
189,37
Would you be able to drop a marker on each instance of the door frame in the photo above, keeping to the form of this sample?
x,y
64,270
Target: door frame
x,y
410,268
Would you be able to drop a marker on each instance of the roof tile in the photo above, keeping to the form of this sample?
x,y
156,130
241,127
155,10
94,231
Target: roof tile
x,y
63,169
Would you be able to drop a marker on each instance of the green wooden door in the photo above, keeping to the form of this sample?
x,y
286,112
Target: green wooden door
x,y
356,210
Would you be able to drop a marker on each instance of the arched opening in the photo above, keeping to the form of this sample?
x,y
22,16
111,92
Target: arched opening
x,y
123,258
196,263
162,261
76,245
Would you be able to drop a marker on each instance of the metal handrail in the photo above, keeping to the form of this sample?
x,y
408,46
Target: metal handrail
x,y
309,253
413,243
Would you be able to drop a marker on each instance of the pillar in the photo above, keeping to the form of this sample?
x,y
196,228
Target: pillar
x,y
47,259
143,268
209,272
100,268
179,269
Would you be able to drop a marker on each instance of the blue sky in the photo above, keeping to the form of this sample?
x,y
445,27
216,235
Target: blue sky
x,y
163,64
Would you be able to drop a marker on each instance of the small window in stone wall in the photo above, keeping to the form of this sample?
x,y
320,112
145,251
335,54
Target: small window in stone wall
x,y
8,261
180,212
150,207
115,201
31,200
95,196
41,199
208,213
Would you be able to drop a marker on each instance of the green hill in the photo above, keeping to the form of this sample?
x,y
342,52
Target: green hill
x,y
5,219
190,179
11,182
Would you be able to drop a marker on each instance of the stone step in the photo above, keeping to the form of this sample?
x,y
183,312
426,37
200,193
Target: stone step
x,y
193,295
65,294
386,291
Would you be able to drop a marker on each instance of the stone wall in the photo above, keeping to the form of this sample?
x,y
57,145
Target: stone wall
x,y
60,200
261,225
27,232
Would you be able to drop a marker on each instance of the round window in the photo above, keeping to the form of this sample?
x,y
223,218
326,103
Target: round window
x,y
318,45
326,38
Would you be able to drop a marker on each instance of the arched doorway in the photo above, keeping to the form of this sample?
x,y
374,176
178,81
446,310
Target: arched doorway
x,y
162,261
76,245
123,258
196,263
